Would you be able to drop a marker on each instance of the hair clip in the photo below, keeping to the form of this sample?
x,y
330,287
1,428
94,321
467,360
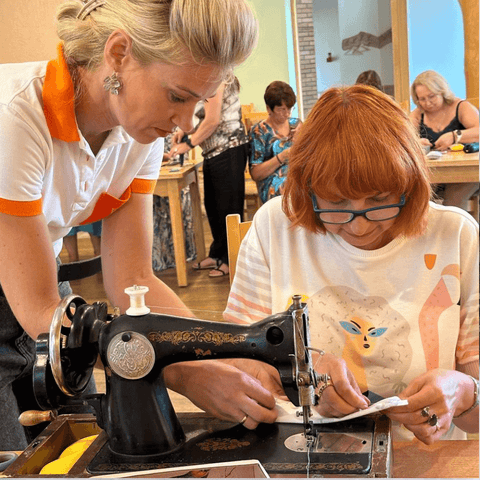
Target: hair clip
x,y
88,7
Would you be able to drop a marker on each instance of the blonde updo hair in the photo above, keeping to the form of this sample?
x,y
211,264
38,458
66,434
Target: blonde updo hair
x,y
435,83
219,32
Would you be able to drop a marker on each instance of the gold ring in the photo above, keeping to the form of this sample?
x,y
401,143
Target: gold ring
x,y
244,419
425,412
327,383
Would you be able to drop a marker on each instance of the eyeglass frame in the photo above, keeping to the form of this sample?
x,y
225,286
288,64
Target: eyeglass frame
x,y
356,213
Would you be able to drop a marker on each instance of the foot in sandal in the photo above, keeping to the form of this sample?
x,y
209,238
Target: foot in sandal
x,y
221,271
207,264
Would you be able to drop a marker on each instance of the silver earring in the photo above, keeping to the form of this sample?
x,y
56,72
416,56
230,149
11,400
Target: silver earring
x,y
112,83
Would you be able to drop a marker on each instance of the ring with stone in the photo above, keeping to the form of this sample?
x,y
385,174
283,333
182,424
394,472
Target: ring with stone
x,y
432,420
425,412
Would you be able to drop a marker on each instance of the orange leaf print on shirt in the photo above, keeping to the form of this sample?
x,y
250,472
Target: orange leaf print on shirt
x,y
438,301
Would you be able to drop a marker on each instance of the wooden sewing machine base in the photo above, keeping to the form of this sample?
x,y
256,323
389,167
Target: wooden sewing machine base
x,y
358,448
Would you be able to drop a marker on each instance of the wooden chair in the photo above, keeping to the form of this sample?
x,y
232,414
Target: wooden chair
x,y
236,230
248,108
251,193
254,117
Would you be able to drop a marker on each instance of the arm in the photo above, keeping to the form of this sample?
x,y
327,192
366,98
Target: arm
x,y
260,171
127,258
415,119
468,116
213,111
214,386
28,271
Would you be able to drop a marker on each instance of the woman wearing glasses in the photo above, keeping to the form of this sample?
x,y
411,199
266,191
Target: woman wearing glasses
x,y
390,279
442,120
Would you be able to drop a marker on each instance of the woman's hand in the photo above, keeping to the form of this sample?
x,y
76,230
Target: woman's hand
x,y
343,396
223,390
179,148
434,398
425,142
177,137
444,141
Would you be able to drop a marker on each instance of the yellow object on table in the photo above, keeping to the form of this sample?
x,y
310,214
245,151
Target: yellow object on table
x,y
68,458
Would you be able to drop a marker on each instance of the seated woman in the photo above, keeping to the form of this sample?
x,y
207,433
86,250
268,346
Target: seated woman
x,y
390,279
271,140
443,120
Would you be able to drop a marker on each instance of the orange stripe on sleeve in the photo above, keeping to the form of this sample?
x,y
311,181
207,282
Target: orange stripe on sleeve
x,y
143,186
21,209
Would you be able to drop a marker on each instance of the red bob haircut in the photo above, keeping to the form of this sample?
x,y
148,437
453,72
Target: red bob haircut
x,y
358,141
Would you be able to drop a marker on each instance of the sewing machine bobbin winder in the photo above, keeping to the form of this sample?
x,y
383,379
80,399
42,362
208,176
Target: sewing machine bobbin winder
x,y
138,426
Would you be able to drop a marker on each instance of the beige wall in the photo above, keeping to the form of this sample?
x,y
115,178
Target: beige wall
x,y
29,35
269,61
27,31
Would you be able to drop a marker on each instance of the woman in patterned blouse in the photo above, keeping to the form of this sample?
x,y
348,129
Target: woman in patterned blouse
x,y
271,140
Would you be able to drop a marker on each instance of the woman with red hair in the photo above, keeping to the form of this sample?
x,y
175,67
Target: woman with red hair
x,y
390,278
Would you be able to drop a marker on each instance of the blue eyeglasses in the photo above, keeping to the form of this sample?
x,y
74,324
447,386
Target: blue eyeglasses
x,y
375,214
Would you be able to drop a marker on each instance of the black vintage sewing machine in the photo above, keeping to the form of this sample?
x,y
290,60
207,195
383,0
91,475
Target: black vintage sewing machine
x,y
141,428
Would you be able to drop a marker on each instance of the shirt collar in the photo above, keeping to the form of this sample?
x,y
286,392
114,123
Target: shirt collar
x,y
59,100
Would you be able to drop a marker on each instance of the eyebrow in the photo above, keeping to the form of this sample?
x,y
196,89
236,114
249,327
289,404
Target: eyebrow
x,y
187,90
192,93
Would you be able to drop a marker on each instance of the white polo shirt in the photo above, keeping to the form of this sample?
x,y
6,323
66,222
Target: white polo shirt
x,y
46,165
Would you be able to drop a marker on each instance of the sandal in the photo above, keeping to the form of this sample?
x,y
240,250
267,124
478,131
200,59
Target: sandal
x,y
215,264
218,272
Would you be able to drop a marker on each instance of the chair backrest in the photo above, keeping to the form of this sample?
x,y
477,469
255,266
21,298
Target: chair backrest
x,y
247,108
254,117
236,230
81,269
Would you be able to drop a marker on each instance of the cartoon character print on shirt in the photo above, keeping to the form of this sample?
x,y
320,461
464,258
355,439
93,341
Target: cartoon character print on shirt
x,y
367,333
445,294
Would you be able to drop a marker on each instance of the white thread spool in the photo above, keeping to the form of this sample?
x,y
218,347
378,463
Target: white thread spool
x,y
137,301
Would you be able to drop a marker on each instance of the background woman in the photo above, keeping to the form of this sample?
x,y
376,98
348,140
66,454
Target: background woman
x,y
442,120
370,77
221,136
271,140
81,139
390,279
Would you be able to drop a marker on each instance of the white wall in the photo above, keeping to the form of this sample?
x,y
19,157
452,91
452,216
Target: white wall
x,y
336,20
327,39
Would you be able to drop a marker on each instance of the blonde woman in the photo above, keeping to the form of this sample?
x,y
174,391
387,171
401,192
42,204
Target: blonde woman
x,y
442,120
81,138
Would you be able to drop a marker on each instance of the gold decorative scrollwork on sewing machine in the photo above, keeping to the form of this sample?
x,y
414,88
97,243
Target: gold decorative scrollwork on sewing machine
x,y
201,336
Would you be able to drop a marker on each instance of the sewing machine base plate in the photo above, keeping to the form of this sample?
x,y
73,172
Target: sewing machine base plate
x,y
342,448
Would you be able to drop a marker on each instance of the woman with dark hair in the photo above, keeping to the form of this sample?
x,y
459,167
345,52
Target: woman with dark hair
x,y
390,278
371,78
271,140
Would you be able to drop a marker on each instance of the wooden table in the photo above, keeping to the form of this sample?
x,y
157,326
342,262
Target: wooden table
x,y
454,167
443,459
170,183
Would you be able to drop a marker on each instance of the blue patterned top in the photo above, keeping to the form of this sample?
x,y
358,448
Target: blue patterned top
x,y
266,143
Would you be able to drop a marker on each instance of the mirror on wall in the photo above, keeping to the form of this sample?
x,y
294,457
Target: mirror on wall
x,y
397,38
352,36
